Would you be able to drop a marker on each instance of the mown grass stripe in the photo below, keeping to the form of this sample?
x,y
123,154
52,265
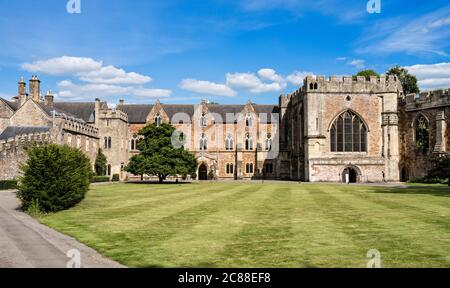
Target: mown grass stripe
x,y
369,231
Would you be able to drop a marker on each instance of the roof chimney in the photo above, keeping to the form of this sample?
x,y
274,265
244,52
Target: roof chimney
x,y
49,99
97,112
22,91
35,89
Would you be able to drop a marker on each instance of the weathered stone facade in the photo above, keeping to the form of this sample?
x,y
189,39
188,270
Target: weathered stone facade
x,y
330,130
308,116
434,108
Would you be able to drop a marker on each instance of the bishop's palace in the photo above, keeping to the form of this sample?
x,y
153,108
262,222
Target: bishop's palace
x,y
330,130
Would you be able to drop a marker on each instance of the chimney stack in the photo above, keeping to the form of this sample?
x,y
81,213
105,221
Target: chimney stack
x,y
22,91
97,112
35,89
49,99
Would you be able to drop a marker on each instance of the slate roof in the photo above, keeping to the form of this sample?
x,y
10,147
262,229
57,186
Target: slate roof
x,y
136,113
13,131
82,110
13,105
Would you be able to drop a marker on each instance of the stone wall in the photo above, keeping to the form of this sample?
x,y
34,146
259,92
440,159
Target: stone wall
x,y
12,153
435,107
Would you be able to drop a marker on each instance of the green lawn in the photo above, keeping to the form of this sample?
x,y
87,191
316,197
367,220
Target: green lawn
x,y
255,225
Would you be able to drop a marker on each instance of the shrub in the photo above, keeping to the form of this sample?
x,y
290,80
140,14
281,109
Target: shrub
x,y
8,184
56,177
100,163
116,178
211,175
100,179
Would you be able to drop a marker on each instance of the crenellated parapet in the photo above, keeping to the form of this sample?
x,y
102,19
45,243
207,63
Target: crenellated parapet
x,y
427,100
77,126
12,144
349,84
113,114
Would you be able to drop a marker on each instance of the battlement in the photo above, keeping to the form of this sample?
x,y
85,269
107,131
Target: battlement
x,y
113,114
79,127
349,84
427,99
11,145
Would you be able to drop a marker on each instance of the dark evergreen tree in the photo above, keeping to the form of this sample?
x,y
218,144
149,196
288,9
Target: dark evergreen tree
x,y
100,163
158,157
54,177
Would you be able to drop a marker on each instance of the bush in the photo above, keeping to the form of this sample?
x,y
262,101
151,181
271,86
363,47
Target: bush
x,y
116,178
8,184
211,175
56,177
100,179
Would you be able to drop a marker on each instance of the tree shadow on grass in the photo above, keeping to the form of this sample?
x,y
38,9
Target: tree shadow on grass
x,y
416,190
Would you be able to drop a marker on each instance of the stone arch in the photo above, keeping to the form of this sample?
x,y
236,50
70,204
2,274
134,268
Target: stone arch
x,y
404,174
354,173
203,172
421,132
351,111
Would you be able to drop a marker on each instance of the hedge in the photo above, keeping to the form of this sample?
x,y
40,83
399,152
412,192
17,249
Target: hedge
x,y
8,184
100,179
116,178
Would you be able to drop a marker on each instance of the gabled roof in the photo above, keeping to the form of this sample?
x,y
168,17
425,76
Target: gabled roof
x,y
13,105
137,114
13,131
82,110
172,109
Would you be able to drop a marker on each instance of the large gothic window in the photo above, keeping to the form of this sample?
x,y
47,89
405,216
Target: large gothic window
x,y
248,142
348,134
158,120
229,142
203,142
422,134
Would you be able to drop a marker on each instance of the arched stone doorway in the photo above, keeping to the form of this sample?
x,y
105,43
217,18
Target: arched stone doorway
x,y
353,175
203,172
404,177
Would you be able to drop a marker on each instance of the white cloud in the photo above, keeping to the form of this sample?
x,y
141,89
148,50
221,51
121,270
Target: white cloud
x,y
432,76
266,80
297,78
113,75
74,91
341,58
152,93
426,34
206,87
99,80
64,65
270,74
254,84
357,63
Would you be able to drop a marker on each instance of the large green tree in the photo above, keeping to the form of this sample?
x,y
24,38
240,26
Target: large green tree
x,y
367,73
100,163
409,81
157,155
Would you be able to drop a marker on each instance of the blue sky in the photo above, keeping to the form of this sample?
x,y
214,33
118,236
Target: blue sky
x,y
182,51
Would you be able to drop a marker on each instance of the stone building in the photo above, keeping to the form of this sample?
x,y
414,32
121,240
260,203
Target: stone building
x,y
341,127
338,129
424,122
